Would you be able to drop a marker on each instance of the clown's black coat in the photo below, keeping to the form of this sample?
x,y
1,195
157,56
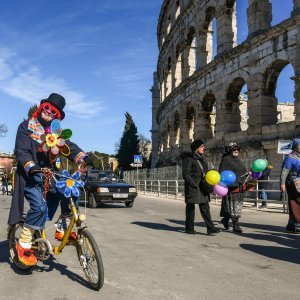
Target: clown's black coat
x,y
26,149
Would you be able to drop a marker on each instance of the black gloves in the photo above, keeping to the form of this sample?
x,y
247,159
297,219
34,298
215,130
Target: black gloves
x,y
34,170
88,161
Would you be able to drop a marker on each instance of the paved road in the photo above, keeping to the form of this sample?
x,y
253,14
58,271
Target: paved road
x,y
147,256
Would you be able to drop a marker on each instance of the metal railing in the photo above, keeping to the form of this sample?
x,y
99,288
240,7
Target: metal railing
x,y
174,189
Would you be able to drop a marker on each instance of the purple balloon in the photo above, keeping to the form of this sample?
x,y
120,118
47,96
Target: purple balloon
x,y
256,175
220,190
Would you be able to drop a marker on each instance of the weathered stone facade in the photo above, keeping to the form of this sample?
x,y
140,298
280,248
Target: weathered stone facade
x,y
197,96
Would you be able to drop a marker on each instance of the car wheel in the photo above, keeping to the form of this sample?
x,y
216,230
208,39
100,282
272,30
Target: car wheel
x,y
129,203
92,201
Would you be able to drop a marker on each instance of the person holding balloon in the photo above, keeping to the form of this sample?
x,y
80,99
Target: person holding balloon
x,y
290,182
197,191
232,202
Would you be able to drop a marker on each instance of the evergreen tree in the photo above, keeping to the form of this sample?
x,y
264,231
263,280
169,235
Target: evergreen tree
x,y
129,144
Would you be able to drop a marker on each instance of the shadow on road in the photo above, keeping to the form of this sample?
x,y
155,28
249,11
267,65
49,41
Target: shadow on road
x,y
4,252
289,244
63,269
160,226
49,265
181,222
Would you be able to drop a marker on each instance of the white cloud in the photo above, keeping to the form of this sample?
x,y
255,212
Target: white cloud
x,y
28,84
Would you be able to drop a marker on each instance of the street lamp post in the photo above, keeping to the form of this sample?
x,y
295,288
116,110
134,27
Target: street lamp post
x,y
99,157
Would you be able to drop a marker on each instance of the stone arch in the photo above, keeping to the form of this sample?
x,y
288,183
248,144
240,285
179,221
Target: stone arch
x,y
272,74
163,87
192,45
208,115
210,15
230,3
177,127
190,120
283,111
169,77
168,136
168,24
177,9
178,67
236,106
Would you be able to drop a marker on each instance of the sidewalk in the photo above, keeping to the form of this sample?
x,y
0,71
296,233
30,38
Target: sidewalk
x,y
248,202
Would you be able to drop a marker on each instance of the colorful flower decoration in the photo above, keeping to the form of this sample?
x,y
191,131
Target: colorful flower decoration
x,y
70,184
54,140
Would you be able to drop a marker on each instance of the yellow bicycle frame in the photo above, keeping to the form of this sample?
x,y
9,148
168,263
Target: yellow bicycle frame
x,y
65,240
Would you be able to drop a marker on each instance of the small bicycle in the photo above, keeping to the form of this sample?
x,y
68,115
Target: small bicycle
x,y
87,249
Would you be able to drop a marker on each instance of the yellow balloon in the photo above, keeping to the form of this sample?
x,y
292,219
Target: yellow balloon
x,y
212,177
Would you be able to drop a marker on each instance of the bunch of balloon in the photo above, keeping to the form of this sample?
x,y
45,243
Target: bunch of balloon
x,y
220,181
227,178
257,168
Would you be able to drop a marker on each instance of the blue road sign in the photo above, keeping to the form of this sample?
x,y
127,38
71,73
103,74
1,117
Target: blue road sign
x,y
137,159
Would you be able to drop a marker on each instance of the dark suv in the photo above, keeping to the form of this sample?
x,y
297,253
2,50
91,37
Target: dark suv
x,y
103,186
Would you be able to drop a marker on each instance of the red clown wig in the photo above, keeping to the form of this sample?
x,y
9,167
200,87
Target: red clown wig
x,y
41,107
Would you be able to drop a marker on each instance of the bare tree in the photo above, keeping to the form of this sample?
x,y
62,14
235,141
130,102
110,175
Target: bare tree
x,y
3,130
145,147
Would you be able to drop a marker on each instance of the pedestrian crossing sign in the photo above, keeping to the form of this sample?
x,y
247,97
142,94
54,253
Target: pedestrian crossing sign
x,y
137,159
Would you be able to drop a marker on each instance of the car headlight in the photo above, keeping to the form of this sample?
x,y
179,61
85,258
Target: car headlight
x,y
102,190
132,190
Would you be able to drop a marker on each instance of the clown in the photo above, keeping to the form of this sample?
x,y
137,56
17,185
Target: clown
x,y
32,155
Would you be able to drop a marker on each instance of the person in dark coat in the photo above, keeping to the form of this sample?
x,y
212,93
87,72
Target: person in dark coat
x,y
4,184
197,191
263,186
232,203
28,181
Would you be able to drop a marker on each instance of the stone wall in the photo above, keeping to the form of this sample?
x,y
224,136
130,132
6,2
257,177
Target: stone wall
x,y
198,96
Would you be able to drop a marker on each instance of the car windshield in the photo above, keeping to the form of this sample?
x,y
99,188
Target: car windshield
x,y
102,176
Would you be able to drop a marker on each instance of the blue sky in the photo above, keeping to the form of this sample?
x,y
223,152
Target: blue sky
x,y
100,55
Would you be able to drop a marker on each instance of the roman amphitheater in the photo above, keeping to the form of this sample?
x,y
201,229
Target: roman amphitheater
x,y
198,95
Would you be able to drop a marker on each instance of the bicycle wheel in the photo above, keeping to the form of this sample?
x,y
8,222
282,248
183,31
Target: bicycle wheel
x,y
90,259
14,234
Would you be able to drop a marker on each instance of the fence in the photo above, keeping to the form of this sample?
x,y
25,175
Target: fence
x,y
163,182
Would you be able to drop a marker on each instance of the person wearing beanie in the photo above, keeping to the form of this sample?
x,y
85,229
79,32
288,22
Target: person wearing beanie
x,y
197,191
28,182
290,183
232,203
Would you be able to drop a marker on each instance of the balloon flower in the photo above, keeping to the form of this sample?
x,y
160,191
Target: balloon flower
x,y
212,177
220,190
256,175
70,184
54,140
227,177
259,165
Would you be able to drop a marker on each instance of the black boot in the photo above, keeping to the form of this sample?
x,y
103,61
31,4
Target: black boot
x,y
225,222
190,231
236,226
291,228
213,231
